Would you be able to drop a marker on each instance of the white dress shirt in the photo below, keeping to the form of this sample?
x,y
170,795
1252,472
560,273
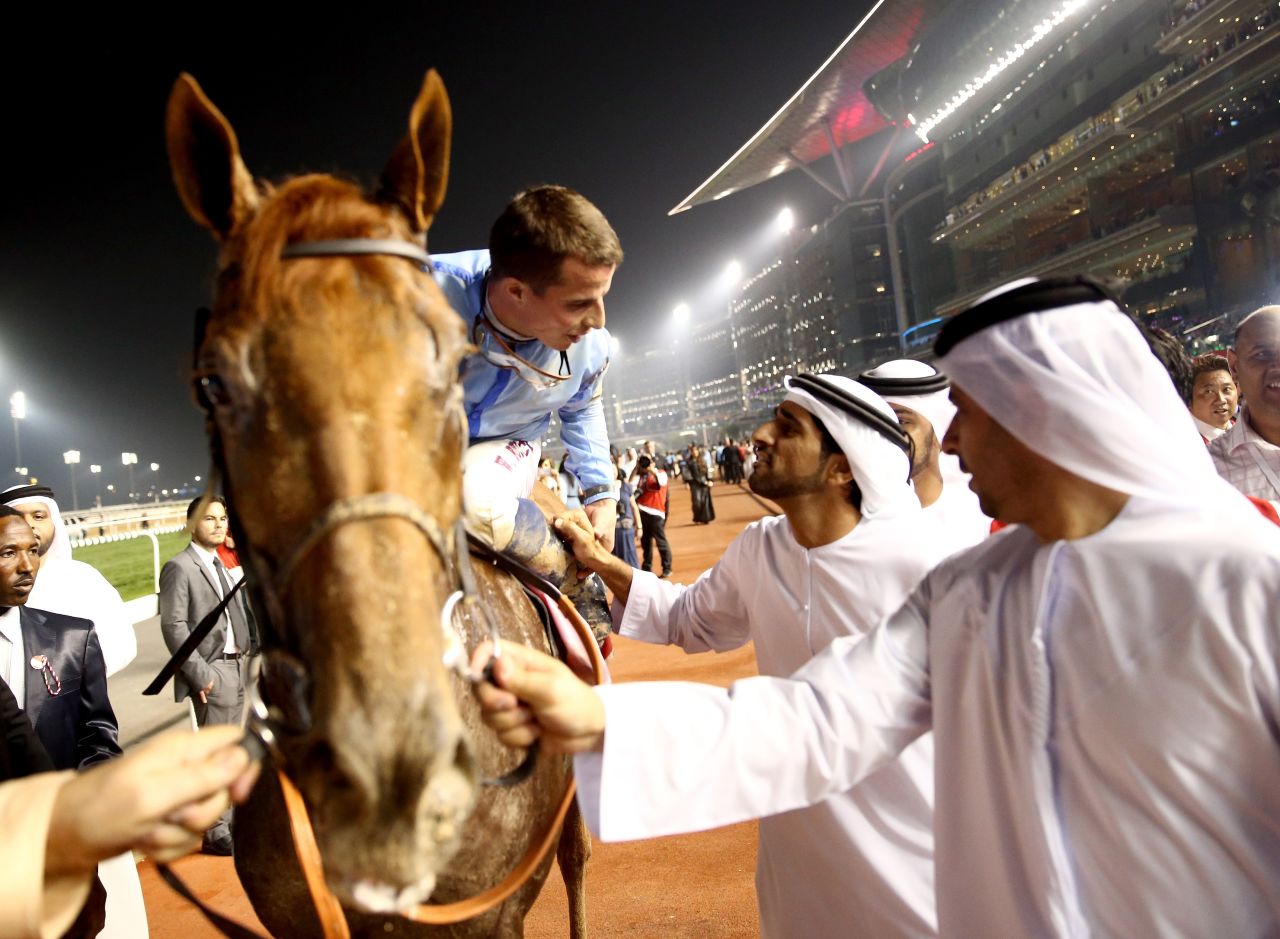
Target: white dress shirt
x,y
207,558
1104,714
13,656
1248,462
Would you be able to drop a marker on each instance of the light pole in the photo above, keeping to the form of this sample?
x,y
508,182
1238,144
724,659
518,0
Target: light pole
x,y
96,470
155,468
17,410
72,459
129,460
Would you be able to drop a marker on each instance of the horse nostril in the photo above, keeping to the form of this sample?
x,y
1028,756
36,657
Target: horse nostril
x,y
340,781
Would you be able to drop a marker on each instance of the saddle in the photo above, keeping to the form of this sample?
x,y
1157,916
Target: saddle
x,y
548,599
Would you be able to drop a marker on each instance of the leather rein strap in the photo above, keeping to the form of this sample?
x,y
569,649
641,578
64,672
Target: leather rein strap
x,y
332,919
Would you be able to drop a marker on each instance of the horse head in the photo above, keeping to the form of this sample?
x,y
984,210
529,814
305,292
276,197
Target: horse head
x,y
331,381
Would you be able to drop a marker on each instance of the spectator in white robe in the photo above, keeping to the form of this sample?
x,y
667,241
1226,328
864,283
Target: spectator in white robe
x,y
65,585
917,392
850,545
1101,678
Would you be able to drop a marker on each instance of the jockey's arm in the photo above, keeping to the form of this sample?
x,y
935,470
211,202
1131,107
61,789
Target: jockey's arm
x,y
586,438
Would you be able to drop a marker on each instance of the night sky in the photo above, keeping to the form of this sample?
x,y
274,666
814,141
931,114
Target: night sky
x,y
101,270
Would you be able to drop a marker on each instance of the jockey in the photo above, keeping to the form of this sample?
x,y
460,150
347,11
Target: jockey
x,y
534,306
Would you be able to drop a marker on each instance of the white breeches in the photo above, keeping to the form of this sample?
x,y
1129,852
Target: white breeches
x,y
496,475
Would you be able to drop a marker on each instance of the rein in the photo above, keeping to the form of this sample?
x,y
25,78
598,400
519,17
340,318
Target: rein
x,y
267,723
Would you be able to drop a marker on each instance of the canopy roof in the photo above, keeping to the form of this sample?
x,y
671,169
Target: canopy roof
x,y
831,106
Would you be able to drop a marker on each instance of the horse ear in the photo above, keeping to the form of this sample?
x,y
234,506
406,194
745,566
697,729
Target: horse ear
x,y
204,156
416,175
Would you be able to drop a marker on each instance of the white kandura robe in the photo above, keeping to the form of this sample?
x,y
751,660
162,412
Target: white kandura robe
x,y
1105,717
864,856
958,515
74,588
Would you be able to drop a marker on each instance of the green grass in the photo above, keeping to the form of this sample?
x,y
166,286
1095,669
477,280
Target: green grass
x,y
129,565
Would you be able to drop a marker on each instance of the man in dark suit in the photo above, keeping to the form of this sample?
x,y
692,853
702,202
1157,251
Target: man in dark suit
x,y
52,663
191,584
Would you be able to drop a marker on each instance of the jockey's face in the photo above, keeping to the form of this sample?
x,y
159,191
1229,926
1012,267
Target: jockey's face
x,y
562,313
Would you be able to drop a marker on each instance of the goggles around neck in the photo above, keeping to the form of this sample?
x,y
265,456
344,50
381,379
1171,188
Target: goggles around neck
x,y
486,337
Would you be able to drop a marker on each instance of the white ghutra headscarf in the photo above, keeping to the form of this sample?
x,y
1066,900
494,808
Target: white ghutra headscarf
x,y
880,466
1070,375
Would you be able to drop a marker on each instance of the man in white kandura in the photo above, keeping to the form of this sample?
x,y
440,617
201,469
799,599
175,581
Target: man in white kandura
x,y
72,587
917,392
1101,677
852,543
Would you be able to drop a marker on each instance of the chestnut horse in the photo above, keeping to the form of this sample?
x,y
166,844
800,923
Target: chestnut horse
x,y
330,384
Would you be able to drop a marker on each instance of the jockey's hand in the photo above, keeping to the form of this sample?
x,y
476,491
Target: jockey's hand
x,y
538,698
604,518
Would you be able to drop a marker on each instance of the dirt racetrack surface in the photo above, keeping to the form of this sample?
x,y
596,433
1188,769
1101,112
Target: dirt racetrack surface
x,y
697,885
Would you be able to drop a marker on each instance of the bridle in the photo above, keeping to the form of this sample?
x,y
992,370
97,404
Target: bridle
x,y
283,710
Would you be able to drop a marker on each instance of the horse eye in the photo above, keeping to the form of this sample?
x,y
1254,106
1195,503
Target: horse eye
x,y
211,392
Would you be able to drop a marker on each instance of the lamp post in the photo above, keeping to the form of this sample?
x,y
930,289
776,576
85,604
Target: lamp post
x,y
18,411
96,470
155,468
129,460
72,459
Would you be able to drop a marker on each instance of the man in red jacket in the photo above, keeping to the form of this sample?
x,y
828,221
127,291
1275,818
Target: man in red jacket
x,y
650,485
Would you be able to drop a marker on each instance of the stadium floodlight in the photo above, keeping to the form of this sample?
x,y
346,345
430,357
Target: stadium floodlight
x,y
130,460
732,275
154,467
72,459
18,411
1006,59
786,221
680,314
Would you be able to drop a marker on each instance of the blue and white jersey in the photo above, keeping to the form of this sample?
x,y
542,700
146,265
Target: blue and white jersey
x,y
500,404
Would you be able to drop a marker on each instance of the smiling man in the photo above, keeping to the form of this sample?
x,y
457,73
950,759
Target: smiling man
x,y
534,306
851,543
1248,455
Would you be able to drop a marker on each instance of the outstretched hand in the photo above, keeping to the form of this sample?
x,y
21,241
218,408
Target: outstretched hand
x,y
538,698
158,798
